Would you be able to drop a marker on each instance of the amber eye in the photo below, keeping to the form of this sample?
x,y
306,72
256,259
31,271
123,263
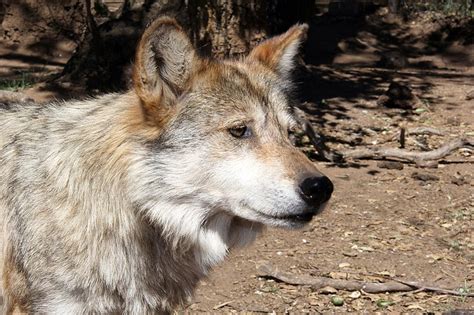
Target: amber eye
x,y
240,131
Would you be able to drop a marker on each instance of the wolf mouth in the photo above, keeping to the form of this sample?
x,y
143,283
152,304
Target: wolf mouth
x,y
294,218
301,218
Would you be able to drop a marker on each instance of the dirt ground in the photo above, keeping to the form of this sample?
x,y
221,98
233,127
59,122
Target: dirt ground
x,y
415,224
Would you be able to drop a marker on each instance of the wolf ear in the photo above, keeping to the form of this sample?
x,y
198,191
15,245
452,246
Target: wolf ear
x,y
164,63
279,52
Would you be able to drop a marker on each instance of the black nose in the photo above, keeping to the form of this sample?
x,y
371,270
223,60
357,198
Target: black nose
x,y
316,190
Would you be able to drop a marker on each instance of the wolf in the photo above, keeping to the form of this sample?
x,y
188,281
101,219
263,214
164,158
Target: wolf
x,y
122,203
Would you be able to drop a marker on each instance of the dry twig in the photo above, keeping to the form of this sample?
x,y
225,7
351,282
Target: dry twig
x,y
265,269
402,137
415,157
221,305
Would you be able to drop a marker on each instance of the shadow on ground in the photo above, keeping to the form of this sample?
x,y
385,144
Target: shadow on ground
x,y
350,62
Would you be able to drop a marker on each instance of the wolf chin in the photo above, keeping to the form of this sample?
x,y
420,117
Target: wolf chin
x,y
122,203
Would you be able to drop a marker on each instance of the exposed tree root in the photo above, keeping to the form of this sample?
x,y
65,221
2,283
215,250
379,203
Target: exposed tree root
x,y
265,269
419,158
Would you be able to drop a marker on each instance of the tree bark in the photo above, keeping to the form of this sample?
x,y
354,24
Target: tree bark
x,y
217,27
394,6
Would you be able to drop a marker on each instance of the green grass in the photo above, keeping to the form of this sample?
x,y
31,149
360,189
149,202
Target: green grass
x,y
464,290
15,85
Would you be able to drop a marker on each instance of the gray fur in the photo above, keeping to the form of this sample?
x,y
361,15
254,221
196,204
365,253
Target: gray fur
x,y
107,211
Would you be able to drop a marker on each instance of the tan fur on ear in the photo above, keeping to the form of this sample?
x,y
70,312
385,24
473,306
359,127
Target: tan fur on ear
x,y
278,52
164,62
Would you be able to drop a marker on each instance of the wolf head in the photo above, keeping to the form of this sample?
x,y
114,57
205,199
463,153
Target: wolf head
x,y
223,154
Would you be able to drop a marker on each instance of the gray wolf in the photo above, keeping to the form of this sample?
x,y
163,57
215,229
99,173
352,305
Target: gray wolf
x,y
122,203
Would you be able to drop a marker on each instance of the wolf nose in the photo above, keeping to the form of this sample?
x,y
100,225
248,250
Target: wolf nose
x,y
316,190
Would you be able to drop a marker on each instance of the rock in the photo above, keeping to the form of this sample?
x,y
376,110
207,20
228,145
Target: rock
x,y
460,180
350,254
344,265
393,60
470,95
391,165
398,95
327,290
453,121
424,177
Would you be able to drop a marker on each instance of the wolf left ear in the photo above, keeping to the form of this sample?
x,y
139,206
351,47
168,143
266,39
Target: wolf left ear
x,y
164,63
279,52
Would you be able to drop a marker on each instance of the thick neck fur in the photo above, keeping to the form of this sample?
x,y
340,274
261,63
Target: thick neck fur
x,y
146,258
134,246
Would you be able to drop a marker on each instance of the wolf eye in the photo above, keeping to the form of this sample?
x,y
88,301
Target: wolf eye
x,y
241,131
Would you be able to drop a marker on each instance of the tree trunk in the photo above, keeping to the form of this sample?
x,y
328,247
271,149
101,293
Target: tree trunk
x,y
102,60
217,27
394,6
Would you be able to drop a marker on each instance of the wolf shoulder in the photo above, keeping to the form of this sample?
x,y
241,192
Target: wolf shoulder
x,y
22,120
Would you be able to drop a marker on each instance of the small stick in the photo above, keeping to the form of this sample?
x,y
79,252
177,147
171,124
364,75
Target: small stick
x,y
402,137
218,306
265,269
412,292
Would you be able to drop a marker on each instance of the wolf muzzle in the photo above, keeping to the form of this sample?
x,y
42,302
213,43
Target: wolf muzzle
x,y
316,191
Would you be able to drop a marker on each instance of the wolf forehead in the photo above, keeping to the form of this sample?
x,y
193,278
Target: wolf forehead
x,y
242,88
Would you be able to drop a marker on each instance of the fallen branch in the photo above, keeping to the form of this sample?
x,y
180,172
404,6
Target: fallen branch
x,y
265,269
415,157
420,158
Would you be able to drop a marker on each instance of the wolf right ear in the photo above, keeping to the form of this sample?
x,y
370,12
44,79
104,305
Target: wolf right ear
x,y
164,63
278,53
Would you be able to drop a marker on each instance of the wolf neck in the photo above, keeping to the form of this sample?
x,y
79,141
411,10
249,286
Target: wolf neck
x,y
212,244
185,230
222,233
206,238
